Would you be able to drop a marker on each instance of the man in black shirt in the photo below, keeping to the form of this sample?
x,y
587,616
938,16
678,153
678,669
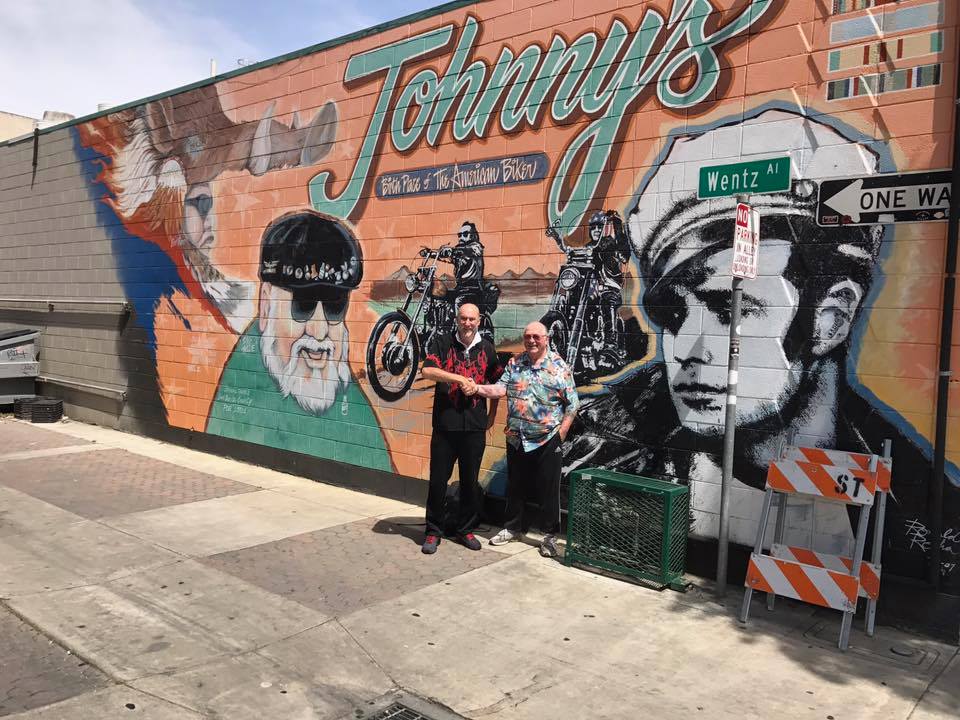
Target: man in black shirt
x,y
460,423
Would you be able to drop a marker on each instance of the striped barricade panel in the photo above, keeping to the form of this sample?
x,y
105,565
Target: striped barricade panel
x,y
816,585
842,458
869,573
831,482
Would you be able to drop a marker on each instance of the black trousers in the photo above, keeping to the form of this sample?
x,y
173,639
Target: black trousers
x,y
466,449
534,474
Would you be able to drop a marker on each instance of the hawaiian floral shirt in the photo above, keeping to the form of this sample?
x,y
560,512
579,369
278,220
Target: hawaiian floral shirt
x,y
538,396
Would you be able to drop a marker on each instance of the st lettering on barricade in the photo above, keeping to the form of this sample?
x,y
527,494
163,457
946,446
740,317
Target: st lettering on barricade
x,y
832,581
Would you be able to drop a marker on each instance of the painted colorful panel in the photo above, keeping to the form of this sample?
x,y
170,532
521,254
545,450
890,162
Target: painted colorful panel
x,y
292,238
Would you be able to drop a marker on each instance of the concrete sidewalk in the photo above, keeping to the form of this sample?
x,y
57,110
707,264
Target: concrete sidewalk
x,y
141,579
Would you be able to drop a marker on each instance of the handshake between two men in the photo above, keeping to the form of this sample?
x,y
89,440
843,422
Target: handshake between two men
x,y
468,386
538,420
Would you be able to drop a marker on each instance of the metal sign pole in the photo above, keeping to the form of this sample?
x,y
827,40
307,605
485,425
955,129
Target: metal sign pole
x,y
729,428
729,431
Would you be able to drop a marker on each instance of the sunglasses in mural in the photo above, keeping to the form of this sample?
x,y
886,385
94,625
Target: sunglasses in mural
x,y
167,155
839,329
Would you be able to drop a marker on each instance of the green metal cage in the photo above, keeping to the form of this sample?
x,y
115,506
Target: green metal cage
x,y
631,525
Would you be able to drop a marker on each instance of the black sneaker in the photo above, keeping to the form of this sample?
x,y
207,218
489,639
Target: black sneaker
x,y
429,546
470,541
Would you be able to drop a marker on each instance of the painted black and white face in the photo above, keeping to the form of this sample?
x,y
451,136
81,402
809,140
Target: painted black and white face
x,y
696,331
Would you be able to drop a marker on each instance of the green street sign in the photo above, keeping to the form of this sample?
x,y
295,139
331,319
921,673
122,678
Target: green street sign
x,y
753,177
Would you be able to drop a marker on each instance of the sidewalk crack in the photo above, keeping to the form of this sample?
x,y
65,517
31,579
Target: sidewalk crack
x,y
932,682
515,698
366,652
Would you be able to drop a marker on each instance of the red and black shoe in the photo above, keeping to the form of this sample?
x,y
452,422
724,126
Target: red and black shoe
x,y
468,540
429,546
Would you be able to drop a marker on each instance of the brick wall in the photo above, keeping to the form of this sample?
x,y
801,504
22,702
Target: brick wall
x,y
166,205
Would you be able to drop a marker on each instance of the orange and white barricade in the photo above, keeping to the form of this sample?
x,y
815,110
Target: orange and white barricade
x,y
830,581
869,578
869,572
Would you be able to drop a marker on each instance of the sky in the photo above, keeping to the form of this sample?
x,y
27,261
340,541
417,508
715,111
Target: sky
x,y
71,55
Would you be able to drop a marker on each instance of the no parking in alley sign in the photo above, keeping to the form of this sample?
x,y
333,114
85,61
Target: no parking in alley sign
x,y
746,242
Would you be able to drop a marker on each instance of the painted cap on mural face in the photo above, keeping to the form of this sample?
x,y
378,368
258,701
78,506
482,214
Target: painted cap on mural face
x,y
667,221
311,255
598,218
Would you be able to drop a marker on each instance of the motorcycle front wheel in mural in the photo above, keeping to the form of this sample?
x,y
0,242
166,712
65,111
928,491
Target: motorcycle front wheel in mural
x,y
393,355
557,332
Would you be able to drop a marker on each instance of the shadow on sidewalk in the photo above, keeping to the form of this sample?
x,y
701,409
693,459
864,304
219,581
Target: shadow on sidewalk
x,y
411,528
894,660
414,527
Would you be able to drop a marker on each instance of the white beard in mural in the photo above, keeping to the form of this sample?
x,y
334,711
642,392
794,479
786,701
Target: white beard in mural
x,y
155,186
317,370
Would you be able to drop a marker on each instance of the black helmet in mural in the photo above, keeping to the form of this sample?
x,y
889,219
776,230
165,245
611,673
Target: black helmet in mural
x,y
310,254
670,227
598,218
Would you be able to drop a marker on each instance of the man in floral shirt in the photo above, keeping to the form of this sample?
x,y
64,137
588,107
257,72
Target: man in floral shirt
x,y
541,405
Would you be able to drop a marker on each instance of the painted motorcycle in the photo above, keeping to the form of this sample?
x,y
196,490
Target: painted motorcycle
x,y
574,321
398,339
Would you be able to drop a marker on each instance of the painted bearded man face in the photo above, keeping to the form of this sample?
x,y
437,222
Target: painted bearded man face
x,y
304,345
466,233
197,239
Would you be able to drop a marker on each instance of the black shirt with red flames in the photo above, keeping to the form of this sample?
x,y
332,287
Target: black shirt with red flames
x,y
452,410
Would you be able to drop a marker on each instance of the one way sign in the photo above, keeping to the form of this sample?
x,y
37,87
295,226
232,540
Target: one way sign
x,y
907,197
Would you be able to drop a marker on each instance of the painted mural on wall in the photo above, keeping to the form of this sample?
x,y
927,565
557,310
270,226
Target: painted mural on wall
x,y
400,337
541,161
584,321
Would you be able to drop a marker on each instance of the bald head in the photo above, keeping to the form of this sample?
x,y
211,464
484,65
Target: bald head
x,y
468,322
535,328
470,309
535,340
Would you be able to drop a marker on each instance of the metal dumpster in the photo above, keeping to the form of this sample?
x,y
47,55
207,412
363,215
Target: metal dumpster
x,y
18,364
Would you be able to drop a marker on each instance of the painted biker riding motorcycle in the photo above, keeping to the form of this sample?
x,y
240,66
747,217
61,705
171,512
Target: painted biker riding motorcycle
x,y
398,338
583,322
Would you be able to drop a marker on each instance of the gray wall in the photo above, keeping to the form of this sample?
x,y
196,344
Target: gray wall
x,y
52,250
